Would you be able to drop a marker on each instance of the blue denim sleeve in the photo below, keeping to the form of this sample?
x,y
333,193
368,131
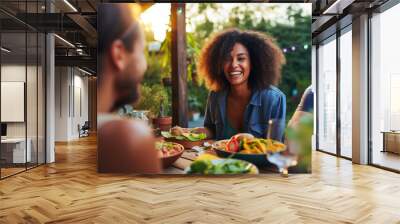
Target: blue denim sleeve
x,y
208,115
279,116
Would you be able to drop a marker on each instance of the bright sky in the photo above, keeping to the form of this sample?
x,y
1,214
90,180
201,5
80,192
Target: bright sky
x,y
157,16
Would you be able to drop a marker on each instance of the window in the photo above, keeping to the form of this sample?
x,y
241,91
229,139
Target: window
x,y
327,96
22,76
346,93
385,89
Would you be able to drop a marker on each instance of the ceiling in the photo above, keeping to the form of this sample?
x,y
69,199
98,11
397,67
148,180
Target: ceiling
x,y
327,13
74,22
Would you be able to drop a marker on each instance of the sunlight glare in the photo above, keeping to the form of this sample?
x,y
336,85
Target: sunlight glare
x,y
157,19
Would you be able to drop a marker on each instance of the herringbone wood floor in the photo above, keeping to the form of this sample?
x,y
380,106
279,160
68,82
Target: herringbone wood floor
x,y
71,191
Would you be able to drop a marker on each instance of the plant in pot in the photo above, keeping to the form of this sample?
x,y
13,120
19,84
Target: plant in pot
x,y
155,99
162,121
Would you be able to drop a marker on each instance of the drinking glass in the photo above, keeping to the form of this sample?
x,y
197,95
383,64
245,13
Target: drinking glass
x,y
283,160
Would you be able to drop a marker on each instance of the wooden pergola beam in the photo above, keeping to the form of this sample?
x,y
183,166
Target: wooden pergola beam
x,y
179,66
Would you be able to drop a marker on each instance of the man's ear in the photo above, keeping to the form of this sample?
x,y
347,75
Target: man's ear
x,y
117,55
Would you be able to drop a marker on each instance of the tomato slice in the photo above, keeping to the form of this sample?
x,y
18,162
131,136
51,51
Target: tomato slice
x,y
233,145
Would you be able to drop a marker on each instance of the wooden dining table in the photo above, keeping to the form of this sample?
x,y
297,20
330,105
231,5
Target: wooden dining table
x,y
189,155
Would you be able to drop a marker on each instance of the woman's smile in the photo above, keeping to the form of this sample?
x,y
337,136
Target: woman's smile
x,y
235,74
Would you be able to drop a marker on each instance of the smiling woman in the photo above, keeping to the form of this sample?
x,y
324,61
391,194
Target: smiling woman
x,y
227,47
241,69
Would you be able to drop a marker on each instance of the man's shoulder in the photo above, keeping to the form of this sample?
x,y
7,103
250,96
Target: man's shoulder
x,y
308,92
125,128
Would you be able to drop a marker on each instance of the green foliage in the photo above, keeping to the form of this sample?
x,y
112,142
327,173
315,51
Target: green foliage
x,y
165,52
192,49
159,67
197,96
153,98
194,103
155,70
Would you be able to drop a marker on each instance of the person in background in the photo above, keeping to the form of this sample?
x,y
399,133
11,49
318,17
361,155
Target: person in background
x,y
125,146
305,107
242,69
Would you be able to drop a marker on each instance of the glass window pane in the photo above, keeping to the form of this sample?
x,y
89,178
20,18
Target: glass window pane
x,y
31,96
385,85
22,88
327,97
346,94
13,86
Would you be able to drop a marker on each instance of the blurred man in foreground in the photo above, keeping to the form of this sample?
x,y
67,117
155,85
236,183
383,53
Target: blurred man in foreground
x,y
124,146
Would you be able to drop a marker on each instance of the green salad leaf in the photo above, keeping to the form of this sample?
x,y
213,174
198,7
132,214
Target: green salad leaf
x,y
228,166
167,134
194,136
185,136
200,166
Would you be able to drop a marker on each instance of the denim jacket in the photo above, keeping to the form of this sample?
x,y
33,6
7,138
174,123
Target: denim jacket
x,y
265,104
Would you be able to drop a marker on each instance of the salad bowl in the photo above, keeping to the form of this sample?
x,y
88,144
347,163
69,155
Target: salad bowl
x,y
254,151
169,152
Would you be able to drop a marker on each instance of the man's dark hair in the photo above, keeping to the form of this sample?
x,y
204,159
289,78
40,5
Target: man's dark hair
x,y
266,58
114,22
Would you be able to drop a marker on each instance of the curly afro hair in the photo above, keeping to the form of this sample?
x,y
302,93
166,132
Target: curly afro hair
x,y
266,58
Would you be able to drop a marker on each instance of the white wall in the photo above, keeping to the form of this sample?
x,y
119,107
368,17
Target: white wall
x,y
33,127
81,112
327,96
62,81
12,73
71,94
